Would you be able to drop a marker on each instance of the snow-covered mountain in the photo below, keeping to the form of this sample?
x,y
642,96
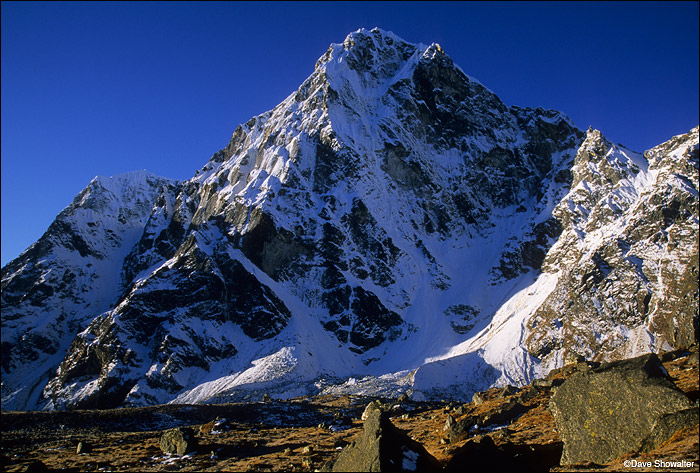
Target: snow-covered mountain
x,y
390,227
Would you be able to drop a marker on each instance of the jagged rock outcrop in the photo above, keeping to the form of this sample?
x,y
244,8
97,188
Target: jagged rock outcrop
x,y
391,225
631,233
383,447
616,408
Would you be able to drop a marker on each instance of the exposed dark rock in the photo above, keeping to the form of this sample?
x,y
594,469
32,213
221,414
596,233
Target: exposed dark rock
x,y
271,248
608,411
36,466
482,454
383,447
251,304
504,413
669,424
463,317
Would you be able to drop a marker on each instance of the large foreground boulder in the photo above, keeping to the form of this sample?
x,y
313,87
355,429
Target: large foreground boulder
x,y
613,409
383,447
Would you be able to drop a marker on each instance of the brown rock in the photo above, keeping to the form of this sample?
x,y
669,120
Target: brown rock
x,y
383,447
177,441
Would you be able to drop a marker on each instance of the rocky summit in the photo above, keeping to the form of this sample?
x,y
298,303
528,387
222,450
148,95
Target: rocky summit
x,y
391,228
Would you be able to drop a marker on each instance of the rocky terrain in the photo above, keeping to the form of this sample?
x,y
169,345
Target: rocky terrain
x,y
502,429
392,227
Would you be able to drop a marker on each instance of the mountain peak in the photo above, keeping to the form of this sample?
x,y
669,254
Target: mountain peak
x,y
391,216
365,50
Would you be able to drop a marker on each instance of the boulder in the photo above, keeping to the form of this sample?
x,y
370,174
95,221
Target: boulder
x,y
383,447
610,410
505,391
372,406
308,450
36,466
460,429
449,423
177,441
497,393
669,424
547,383
83,447
205,429
527,393
502,414
482,454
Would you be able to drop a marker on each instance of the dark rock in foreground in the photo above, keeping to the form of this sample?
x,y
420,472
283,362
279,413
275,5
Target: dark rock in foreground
x,y
609,411
482,454
667,425
383,447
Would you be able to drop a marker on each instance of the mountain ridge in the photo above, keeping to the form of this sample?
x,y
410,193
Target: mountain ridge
x,y
390,226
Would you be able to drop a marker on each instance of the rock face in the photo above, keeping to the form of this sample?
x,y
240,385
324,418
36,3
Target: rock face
x,y
611,410
669,424
391,221
67,278
383,447
625,280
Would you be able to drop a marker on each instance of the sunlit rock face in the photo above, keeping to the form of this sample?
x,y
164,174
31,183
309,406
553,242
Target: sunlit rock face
x,y
391,226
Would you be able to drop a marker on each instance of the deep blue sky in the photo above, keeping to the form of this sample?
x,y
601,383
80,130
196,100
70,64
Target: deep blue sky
x,y
104,88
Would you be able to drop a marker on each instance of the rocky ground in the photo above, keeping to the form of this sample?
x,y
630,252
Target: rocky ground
x,y
498,430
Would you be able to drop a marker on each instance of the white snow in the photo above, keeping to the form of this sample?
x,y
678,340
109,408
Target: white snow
x,y
275,170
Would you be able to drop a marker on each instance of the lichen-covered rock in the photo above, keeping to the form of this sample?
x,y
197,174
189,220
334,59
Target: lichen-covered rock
x,y
669,424
610,410
177,441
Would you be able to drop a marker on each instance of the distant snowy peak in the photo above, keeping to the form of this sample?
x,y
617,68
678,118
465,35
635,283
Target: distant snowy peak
x,y
125,183
118,203
70,275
